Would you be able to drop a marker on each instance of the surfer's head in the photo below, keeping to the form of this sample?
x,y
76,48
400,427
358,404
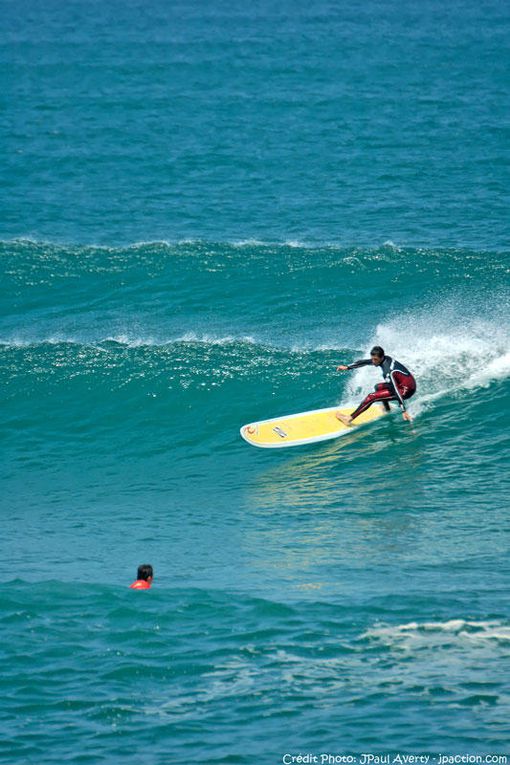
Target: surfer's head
x,y
377,355
145,572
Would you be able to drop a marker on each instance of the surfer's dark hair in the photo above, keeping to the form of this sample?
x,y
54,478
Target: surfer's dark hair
x,y
145,572
377,351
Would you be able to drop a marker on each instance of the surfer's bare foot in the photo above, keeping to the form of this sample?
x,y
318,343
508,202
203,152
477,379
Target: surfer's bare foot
x,y
345,418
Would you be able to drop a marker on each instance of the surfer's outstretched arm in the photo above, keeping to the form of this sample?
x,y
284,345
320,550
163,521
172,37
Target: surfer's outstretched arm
x,y
354,365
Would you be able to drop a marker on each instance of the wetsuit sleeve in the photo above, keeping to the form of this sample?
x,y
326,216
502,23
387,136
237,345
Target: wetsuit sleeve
x,y
360,363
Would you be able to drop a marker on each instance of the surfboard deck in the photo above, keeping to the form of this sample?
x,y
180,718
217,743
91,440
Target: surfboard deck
x,y
305,427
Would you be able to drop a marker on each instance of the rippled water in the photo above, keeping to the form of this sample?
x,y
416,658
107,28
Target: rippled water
x,y
220,668
346,595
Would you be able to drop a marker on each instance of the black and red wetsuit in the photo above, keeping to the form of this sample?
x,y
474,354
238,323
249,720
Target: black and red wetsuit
x,y
398,384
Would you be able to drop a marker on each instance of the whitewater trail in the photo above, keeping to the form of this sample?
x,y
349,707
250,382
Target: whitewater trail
x,y
446,357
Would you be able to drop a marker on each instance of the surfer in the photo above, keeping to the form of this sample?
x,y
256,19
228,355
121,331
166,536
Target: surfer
x,y
399,384
144,578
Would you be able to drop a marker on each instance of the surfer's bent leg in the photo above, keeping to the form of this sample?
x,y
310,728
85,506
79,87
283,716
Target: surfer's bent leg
x,y
382,394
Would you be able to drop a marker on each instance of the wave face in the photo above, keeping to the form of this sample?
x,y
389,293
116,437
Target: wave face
x,y
359,581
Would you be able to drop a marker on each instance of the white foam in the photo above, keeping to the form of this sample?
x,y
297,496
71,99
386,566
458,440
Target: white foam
x,y
389,243
205,339
432,633
128,340
25,342
497,369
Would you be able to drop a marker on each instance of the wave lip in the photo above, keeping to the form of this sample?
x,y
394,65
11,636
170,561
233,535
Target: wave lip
x,y
284,242
128,341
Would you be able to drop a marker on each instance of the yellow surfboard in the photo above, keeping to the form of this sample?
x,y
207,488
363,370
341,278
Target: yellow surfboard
x,y
306,427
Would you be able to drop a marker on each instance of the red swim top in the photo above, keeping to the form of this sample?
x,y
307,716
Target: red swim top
x,y
140,584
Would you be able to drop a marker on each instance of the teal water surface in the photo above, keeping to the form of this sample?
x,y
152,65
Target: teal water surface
x,y
207,208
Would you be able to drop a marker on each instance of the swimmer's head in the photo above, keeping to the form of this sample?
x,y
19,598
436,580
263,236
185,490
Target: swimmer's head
x,y
145,572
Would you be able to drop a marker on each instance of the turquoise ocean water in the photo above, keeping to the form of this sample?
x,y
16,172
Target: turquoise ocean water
x,y
205,207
